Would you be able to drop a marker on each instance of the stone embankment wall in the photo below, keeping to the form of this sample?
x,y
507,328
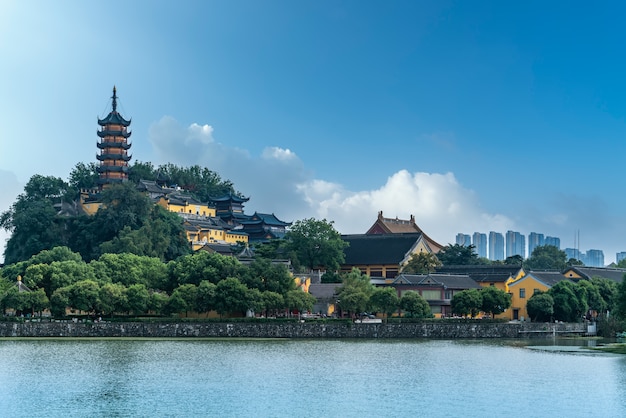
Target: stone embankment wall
x,y
288,330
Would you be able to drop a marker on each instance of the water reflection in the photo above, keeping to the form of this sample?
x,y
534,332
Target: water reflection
x,y
471,378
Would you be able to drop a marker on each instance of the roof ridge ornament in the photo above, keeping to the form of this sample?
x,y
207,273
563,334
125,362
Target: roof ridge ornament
x,y
114,97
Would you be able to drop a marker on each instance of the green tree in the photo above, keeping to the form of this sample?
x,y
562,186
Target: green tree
x,y
158,302
298,300
137,297
355,291
467,303
608,291
546,257
272,302
316,244
59,301
57,274
254,301
130,269
265,276
457,255
142,171
194,268
495,301
421,263
415,305
385,299
230,296
38,301
162,236
514,260
33,220
188,293
540,307
590,292
112,298
205,296
83,176
200,181
569,306
621,299
84,296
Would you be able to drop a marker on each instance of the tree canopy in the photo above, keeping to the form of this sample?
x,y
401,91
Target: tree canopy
x,y
467,302
546,257
456,255
421,263
494,301
316,244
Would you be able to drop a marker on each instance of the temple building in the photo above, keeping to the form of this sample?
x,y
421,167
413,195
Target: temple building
x,y
384,226
386,247
113,146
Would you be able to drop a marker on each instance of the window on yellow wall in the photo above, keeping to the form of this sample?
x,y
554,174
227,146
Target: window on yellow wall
x,y
522,293
535,291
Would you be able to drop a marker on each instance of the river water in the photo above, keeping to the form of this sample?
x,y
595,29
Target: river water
x,y
307,378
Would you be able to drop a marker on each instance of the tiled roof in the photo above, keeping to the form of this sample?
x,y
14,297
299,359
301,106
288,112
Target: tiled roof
x,y
547,277
483,273
270,219
378,249
614,274
114,118
224,249
230,197
447,281
400,226
149,186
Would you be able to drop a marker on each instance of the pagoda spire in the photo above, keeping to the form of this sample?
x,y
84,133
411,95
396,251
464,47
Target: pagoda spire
x,y
114,97
113,146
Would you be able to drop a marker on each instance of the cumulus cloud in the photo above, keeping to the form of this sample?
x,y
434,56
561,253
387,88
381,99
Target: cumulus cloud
x,y
277,181
441,206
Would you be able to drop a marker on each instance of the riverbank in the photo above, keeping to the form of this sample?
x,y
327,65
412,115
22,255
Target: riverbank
x,y
441,330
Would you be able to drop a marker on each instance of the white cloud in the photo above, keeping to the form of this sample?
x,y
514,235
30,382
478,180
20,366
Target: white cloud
x,y
277,181
441,206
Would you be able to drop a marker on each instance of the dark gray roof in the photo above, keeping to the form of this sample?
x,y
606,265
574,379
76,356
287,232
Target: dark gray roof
x,y
447,281
483,273
547,277
149,186
378,249
615,274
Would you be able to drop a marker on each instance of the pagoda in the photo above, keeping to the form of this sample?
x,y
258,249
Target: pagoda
x,y
113,147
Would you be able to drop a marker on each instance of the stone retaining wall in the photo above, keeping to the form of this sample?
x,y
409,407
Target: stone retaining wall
x,y
289,330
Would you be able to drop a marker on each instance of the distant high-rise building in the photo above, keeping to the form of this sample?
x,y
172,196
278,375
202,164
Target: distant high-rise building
x,y
573,253
480,242
515,244
496,246
553,241
534,240
463,239
620,256
594,258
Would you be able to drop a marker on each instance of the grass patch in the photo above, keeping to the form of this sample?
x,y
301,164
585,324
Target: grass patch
x,y
616,348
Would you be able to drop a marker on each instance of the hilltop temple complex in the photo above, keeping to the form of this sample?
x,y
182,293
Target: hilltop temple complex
x,y
208,225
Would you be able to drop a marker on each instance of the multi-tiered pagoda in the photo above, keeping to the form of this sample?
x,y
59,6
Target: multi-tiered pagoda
x,y
113,147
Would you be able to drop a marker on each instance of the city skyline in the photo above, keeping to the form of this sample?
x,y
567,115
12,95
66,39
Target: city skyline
x,y
514,243
338,109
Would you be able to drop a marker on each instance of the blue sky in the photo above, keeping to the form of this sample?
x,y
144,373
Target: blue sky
x,y
472,116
